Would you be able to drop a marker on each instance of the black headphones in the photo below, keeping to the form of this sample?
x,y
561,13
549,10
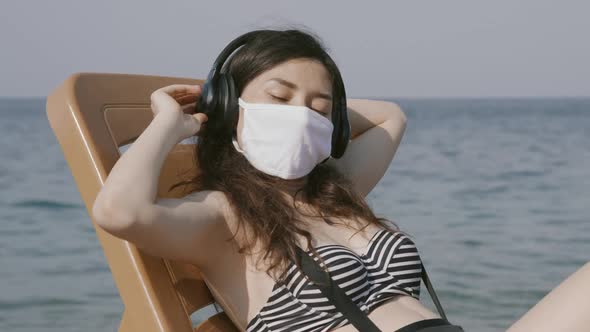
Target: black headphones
x,y
219,99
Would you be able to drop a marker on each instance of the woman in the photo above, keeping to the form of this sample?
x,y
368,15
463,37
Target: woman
x,y
261,193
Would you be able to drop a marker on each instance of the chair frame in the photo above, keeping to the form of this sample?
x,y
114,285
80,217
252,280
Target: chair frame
x,y
93,115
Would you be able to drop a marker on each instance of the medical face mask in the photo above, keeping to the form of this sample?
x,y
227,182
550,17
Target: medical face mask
x,y
284,140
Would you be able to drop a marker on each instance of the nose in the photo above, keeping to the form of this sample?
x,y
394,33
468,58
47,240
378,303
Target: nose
x,y
301,100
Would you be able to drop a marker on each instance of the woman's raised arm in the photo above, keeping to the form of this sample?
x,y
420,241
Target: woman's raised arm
x,y
127,206
377,128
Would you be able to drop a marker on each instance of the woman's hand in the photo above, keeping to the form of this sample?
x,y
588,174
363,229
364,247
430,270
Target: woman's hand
x,y
177,102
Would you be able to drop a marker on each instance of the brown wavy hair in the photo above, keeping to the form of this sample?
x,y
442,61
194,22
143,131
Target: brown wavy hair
x,y
255,197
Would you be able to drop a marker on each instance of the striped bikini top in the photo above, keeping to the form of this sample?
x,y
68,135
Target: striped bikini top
x,y
390,266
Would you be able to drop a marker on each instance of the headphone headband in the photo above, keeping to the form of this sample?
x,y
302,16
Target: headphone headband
x,y
229,49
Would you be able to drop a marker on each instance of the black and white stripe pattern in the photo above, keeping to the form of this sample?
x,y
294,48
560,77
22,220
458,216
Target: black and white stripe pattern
x,y
391,266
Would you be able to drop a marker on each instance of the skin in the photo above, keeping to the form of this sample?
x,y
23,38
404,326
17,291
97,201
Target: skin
x,y
189,229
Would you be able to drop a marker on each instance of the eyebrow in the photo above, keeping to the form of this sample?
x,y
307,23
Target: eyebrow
x,y
294,86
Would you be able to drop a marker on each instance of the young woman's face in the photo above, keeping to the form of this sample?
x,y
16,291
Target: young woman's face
x,y
303,82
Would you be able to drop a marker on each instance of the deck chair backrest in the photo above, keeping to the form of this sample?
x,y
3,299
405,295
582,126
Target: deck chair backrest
x,y
93,115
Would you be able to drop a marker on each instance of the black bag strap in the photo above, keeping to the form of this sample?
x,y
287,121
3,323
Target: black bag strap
x,y
335,294
343,302
432,293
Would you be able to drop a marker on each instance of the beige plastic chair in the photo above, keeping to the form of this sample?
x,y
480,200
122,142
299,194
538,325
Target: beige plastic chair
x,y
92,115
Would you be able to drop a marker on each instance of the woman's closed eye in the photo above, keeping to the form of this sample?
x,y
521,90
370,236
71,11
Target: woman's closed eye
x,y
283,100
278,98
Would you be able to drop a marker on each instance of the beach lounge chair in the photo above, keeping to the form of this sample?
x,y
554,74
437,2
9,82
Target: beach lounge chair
x,y
92,116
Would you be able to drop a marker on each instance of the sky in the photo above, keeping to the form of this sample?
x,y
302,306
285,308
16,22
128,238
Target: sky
x,y
466,48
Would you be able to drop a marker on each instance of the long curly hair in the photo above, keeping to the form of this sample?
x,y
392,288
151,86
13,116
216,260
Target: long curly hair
x,y
257,198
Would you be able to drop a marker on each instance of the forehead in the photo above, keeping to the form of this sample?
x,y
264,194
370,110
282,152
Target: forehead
x,y
308,73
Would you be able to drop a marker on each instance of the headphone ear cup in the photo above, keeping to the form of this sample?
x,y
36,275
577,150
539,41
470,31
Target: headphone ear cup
x,y
336,133
232,110
341,134
221,100
207,100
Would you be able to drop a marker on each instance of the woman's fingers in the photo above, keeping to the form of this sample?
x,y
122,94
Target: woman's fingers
x,y
181,89
180,94
202,117
186,99
175,97
189,108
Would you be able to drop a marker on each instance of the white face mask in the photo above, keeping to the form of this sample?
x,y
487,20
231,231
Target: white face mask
x,y
284,140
